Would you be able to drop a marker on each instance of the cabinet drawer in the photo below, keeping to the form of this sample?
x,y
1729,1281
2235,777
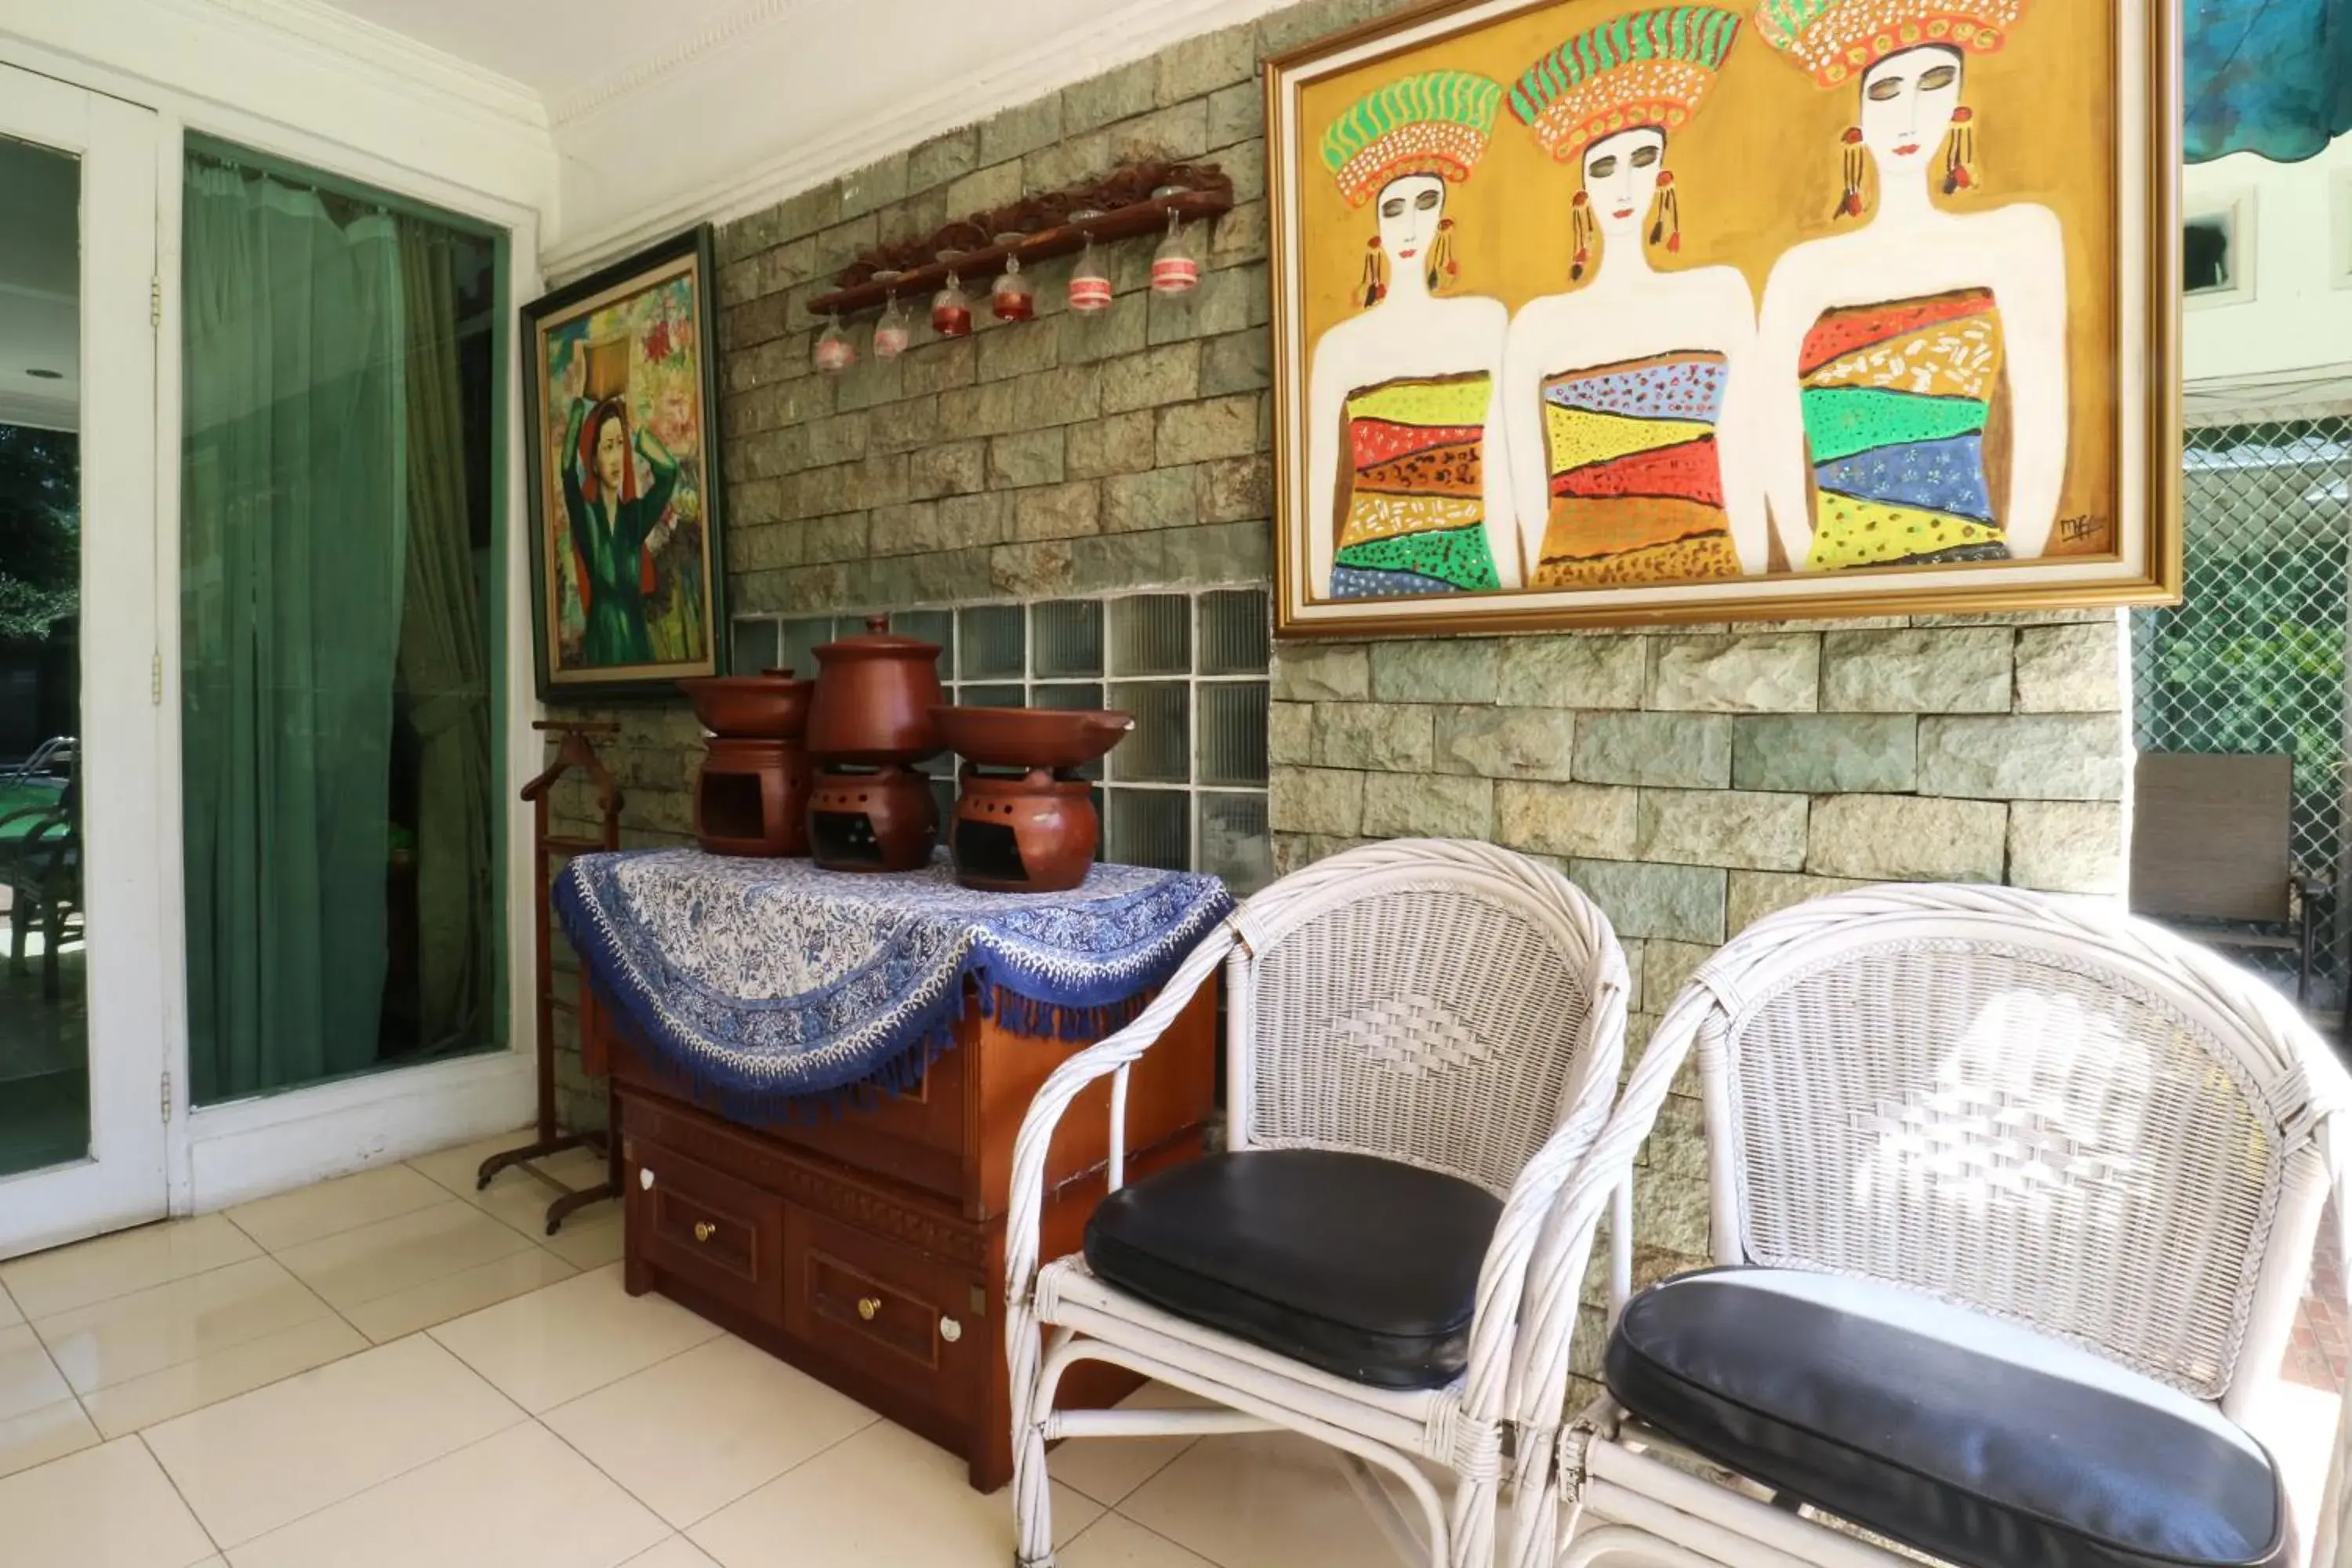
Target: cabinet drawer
x,y
709,1230
888,1311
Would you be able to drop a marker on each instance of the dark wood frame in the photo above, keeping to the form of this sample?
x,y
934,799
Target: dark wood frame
x,y
1122,203
545,312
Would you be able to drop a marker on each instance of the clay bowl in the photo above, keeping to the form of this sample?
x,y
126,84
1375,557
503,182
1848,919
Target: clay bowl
x,y
769,707
1031,737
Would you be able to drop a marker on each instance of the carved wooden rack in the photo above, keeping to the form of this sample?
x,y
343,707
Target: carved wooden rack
x,y
1122,206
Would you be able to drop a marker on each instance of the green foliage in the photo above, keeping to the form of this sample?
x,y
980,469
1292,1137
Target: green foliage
x,y
40,532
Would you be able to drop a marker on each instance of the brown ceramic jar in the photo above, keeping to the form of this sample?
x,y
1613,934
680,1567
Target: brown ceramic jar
x,y
874,694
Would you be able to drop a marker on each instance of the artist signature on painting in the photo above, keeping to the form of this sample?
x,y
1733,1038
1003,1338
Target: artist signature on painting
x,y
2073,529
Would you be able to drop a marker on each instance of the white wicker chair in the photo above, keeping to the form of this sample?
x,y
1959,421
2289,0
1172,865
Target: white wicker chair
x,y
2035,1108
1447,1004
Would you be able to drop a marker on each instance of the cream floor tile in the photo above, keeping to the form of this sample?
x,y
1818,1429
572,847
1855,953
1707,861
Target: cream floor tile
x,y
266,1459
589,1239
1117,1541
110,1507
677,1552
1107,1468
126,1337
399,1254
37,1436
1262,1500
224,1374
455,1295
692,1434
884,1496
554,1345
345,1204
519,1500
50,1283
28,1378
9,1316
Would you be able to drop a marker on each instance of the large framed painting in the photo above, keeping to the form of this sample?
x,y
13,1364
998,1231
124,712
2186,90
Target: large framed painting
x,y
1598,310
621,410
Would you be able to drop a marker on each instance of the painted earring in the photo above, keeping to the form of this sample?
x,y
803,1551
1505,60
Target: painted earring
x,y
1960,152
1850,203
1442,268
1580,217
1666,227
1376,272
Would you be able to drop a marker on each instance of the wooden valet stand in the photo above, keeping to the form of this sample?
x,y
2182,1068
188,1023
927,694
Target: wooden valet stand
x,y
574,750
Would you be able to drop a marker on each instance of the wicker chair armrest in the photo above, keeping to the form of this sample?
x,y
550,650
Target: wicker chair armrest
x,y
1026,1208
1603,1171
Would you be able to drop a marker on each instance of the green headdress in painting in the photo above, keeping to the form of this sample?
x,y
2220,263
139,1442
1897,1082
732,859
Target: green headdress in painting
x,y
1437,122
1648,68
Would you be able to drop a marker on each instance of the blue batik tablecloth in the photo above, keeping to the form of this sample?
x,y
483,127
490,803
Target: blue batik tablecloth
x,y
762,985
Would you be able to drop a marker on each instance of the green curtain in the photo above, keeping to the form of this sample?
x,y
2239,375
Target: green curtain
x,y
441,661
294,521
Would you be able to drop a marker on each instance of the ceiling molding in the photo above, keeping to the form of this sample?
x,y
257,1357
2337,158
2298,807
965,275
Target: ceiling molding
x,y
1122,33
320,32
590,97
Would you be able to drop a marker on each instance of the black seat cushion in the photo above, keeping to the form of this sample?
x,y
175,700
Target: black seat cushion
x,y
1982,1441
1360,1267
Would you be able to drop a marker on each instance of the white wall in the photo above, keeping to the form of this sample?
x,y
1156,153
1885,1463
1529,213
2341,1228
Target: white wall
x,y
298,79
2298,313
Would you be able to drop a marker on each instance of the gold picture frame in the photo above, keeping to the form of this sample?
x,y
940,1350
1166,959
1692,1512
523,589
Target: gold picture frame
x,y
1900,189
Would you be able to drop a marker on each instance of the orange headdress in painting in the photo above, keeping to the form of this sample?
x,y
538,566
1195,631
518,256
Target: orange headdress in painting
x,y
1837,40
1647,70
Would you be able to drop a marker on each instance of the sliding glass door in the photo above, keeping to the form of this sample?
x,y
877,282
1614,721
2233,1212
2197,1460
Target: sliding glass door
x,y
83,976
341,614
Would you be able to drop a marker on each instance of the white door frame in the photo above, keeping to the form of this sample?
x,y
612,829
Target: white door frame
x,y
132,976
223,1153
227,1153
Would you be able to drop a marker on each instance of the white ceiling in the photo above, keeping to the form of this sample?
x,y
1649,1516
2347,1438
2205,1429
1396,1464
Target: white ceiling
x,y
566,49
40,286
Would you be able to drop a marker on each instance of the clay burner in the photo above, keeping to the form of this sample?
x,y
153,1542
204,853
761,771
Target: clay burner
x,y
750,794
1025,821
870,809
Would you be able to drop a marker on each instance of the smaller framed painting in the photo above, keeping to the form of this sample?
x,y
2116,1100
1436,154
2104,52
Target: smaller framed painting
x,y
621,412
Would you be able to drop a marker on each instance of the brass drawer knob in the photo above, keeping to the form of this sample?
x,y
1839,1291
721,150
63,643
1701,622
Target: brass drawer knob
x,y
867,1306
704,1230
949,1329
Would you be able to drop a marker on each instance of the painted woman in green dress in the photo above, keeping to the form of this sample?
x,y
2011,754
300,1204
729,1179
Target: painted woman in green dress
x,y
615,532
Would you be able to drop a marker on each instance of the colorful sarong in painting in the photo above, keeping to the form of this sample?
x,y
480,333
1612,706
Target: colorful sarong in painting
x,y
1897,398
1414,514
1636,483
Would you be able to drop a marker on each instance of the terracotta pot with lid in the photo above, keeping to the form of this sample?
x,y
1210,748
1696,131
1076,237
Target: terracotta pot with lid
x,y
874,694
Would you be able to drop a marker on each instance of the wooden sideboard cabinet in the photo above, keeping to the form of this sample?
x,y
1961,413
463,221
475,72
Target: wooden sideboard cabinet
x,y
866,1248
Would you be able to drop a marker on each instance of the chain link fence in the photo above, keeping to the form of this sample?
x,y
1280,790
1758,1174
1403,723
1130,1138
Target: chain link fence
x,y
2251,661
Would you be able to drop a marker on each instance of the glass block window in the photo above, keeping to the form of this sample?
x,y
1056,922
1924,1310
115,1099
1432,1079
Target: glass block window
x,y
1187,791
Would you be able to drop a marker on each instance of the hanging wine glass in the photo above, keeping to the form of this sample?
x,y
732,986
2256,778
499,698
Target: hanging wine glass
x,y
1013,298
835,351
893,330
1175,270
1089,284
951,309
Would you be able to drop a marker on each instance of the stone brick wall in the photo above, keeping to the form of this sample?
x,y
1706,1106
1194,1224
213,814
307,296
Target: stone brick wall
x,y
1691,779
